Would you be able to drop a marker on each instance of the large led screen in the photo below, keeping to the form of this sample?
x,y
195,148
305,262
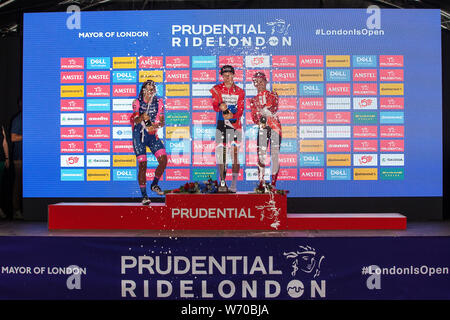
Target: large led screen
x,y
359,98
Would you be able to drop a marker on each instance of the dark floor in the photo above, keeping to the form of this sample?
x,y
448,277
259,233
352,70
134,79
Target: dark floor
x,y
414,229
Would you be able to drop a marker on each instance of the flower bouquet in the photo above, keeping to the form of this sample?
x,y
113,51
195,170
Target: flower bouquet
x,y
209,186
268,188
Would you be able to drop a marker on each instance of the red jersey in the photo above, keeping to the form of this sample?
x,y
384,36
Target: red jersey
x,y
265,103
233,97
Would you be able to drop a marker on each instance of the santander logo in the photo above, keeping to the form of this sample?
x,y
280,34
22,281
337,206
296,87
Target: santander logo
x,y
256,61
365,103
72,160
365,159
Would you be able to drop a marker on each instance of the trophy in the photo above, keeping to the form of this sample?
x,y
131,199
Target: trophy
x,y
222,187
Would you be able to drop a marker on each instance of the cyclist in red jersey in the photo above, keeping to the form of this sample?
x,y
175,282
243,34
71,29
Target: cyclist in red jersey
x,y
228,102
264,107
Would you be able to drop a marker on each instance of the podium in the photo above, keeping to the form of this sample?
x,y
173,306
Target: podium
x,y
237,211
219,211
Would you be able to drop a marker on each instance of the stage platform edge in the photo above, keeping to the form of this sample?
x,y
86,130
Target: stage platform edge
x,y
346,221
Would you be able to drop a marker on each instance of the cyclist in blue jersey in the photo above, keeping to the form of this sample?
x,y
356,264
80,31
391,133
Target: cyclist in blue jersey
x,y
147,117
